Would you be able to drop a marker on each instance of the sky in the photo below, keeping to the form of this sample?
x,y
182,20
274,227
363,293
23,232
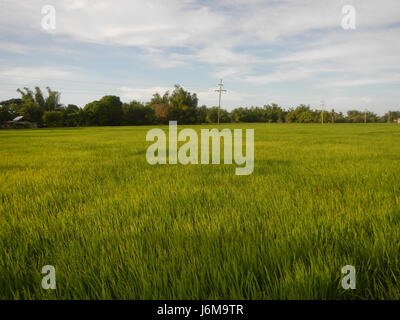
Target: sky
x,y
288,52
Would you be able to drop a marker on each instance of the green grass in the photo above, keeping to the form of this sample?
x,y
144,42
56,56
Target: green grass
x,y
86,201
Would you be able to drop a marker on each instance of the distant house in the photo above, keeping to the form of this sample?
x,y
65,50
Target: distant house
x,y
21,122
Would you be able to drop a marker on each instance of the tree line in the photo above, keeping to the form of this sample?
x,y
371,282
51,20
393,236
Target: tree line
x,y
180,105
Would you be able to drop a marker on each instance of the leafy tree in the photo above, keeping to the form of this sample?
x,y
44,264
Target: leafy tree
x,y
212,115
71,115
372,117
302,113
160,106
274,113
291,116
268,113
256,114
237,114
389,116
40,100
52,101
305,117
162,111
53,118
106,112
355,116
34,103
11,102
49,103
110,111
27,95
337,117
82,117
320,115
6,113
136,113
183,106
202,114
158,99
31,111
91,111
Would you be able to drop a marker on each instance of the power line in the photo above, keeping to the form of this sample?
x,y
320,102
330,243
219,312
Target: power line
x,y
220,90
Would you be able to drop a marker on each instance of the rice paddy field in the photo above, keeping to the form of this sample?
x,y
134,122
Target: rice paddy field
x,y
86,201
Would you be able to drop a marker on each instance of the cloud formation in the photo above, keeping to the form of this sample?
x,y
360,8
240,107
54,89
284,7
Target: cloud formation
x,y
251,43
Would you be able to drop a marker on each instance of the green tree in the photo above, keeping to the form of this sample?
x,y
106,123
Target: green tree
x,y
110,113
157,99
389,116
106,112
11,102
91,113
31,111
305,116
274,113
212,115
183,106
355,116
302,114
160,106
202,114
49,103
136,113
53,118
71,115
52,101
6,114
34,103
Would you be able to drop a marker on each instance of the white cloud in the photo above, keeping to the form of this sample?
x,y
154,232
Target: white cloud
x,y
231,98
142,94
32,74
14,47
248,41
359,82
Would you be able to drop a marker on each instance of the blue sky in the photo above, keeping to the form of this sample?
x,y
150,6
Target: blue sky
x,y
287,52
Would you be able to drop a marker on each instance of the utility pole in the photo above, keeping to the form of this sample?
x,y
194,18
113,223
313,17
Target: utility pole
x,y
365,116
220,90
323,109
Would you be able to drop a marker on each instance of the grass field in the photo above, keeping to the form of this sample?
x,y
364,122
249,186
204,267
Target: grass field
x,y
86,201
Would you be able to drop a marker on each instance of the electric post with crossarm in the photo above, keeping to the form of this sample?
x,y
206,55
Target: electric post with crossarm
x,y
220,90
